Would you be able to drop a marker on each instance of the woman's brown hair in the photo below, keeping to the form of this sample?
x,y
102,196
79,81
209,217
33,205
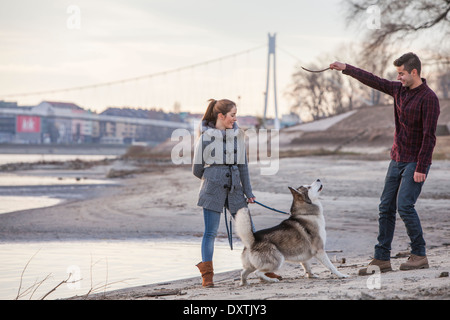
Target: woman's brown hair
x,y
215,107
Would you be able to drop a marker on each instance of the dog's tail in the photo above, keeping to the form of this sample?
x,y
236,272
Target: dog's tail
x,y
244,227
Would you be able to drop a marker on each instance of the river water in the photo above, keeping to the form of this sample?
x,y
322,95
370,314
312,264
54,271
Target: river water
x,y
22,192
98,265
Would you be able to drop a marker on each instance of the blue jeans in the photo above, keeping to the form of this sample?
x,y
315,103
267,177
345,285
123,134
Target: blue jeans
x,y
400,194
212,221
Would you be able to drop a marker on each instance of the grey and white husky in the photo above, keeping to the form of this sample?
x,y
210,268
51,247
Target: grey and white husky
x,y
297,239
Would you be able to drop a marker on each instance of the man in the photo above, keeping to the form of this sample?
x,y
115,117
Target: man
x,y
416,109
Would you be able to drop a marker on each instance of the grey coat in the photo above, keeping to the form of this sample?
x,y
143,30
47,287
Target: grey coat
x,y
220,162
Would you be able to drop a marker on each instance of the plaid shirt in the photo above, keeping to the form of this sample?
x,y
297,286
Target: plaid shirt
x,y
416,115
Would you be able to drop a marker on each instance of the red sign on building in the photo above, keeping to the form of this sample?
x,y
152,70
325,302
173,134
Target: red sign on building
x,y
28,124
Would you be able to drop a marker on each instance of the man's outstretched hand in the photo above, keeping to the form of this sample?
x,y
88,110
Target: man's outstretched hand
x,y
338,66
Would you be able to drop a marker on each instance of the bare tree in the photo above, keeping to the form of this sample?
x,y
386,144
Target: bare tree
x,y
444,85
380,63
318,95
403,21
308,93
420,24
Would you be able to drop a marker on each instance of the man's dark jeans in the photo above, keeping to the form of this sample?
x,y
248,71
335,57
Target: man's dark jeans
x,y
400,194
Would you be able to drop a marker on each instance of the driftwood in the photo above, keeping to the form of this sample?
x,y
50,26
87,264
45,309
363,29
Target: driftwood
x,y
161,293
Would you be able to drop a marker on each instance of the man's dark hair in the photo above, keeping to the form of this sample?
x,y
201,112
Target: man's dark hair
x,y
409,61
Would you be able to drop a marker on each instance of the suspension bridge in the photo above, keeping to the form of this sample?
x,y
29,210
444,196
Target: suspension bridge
x,y
249,77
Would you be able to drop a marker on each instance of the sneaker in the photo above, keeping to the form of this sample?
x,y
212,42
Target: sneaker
x,y
415,262
383,265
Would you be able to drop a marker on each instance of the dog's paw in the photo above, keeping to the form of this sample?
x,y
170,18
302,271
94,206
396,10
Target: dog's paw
x,y
267,279
342,276
311,275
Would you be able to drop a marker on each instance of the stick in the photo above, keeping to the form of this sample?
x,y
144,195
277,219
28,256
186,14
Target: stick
x,y
164,293
316,71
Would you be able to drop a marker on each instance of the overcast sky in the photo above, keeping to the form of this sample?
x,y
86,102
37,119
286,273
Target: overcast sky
x,y
42,48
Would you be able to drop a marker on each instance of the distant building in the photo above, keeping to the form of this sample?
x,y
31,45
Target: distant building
x,y
7,104
291,119
67,123
12,118
28,129
61,124
247,122
129,130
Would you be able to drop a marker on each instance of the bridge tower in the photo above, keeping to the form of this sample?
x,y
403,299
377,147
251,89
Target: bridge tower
x,y
271,52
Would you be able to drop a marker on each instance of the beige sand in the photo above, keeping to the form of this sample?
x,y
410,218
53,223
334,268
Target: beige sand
x,y
162,204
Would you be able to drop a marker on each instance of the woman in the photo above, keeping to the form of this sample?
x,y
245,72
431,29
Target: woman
x,y
220,162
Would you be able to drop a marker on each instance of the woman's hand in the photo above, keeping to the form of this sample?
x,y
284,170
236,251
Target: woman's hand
x,y
251,200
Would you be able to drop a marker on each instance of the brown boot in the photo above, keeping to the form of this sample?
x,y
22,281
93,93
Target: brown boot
x,y
384,266
415,262
206,269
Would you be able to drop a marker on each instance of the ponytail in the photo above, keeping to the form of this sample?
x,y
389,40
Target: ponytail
x,y
209,115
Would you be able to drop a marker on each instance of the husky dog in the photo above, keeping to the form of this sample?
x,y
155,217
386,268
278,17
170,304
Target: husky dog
x,y
297,239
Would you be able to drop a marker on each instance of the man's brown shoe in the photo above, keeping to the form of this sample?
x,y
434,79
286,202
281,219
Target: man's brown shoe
x,y
415,262
383,265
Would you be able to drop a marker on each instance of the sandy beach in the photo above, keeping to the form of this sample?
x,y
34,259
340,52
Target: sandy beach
x,y
143,196
160,203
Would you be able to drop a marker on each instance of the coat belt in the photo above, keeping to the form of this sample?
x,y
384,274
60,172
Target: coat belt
x,y
235,177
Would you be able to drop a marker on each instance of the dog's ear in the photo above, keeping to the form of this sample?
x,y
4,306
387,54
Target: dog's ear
x,y
293,191
301,196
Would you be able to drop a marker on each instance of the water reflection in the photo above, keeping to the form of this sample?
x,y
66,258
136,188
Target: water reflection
x,y
14,180
119,263
28,158
17,203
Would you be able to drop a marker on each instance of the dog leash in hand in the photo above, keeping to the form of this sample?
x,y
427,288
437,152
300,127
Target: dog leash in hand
x,y
273,209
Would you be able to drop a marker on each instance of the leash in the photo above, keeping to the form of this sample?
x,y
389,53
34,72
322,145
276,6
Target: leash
x,y
273,209
230,229
230,225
